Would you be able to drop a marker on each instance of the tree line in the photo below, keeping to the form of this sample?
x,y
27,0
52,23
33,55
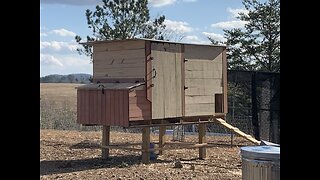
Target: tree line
x,y
254,47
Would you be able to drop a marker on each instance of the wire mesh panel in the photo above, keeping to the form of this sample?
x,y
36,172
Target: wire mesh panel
x,y
254,103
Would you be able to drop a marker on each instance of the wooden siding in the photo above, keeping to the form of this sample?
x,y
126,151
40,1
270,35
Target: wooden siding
x,y
225,81
119,60
167,89
203,79
139,106
110,108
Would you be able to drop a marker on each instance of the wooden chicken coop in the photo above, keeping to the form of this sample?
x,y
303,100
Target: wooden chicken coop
x,y
144,83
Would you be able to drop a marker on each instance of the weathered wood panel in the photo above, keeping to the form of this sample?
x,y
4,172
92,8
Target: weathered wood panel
x,y
202,91
167,90
178,85
171,89
200,109
201,52
158,84
119,60
192,99
201,74
225,83
204,83
139,106
203,78
118,46
149,75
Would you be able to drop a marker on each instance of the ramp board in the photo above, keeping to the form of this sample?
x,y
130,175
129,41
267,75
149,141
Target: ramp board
x,y
237,131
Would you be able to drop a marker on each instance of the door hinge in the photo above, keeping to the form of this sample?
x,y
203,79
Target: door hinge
x,y
185,87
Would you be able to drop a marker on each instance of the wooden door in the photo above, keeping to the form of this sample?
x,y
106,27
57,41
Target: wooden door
x,y
166,73
203,79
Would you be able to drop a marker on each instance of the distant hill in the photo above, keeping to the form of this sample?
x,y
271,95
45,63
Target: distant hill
x,y
70,78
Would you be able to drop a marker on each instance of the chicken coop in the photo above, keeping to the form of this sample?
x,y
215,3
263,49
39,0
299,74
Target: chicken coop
x,y
144,83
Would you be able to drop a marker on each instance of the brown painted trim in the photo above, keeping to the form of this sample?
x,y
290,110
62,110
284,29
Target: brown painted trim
x,y
224,80
183,81
148,74
148,70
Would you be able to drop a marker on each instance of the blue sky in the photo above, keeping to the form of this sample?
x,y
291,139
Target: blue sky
x,y
61,20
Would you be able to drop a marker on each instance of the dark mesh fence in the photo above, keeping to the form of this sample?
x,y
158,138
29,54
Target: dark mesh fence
x,y
254,103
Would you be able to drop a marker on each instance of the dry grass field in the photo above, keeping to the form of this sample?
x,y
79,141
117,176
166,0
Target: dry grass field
x,y
60,93
71,153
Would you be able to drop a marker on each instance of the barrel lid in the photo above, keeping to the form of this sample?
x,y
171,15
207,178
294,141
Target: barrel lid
x,y
261,152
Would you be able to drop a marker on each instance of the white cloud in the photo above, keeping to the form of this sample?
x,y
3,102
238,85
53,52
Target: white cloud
x,y
49,60
64,64
43,34
195,40
177,26
63,32
72,2
214,36
229,24
159,3
58,46
235,12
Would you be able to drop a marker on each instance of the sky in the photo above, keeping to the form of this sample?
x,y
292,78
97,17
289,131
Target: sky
x,y
61,20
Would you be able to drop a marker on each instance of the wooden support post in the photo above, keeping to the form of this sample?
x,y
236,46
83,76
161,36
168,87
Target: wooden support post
x,y
231,134
162,137
202,139
145,145
105,141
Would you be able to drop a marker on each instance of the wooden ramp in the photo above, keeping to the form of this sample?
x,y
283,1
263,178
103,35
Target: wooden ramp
x,y
237,131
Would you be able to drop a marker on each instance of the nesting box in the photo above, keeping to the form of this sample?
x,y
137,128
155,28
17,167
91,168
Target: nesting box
x,y
142,81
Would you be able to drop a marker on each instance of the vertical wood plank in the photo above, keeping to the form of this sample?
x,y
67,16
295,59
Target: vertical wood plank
x,y
145,145
112,107
178,74
95,107
117,94
121,106
99,106
183,82
126,107
224,80
169,79
108,106
202,139
162,138
158,81
105,141
87,116
148,77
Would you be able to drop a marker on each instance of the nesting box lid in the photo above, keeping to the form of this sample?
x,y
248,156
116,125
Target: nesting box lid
x,y
117,86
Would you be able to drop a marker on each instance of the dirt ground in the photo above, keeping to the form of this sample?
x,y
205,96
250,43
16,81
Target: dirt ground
x,y
76,155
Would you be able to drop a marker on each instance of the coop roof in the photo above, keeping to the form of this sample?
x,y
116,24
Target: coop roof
x,y
152,40
111,86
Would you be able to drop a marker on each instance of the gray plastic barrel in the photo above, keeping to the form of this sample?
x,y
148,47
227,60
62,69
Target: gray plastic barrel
x,y
260,162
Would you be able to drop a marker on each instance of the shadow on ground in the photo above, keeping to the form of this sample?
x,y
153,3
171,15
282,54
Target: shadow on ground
x,y
67,166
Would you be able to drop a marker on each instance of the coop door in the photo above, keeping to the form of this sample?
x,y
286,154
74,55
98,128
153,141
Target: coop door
x,y
202,78
166,80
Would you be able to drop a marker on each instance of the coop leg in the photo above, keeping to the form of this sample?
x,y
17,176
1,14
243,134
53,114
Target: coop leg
x,y
162,138
202,139
105,141
145,145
